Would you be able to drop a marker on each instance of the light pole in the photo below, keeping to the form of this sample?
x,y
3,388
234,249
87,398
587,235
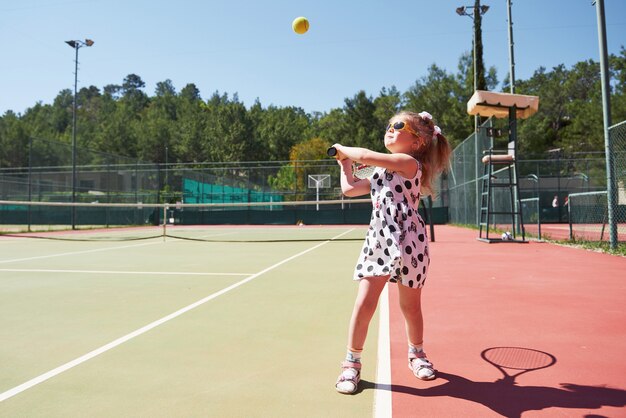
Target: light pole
x,y
511,44
462,11
76,45
476,11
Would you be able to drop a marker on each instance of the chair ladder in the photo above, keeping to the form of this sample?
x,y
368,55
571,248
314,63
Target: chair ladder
x,y
487,212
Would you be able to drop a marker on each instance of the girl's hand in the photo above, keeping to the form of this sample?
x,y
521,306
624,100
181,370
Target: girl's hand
x,y
340,156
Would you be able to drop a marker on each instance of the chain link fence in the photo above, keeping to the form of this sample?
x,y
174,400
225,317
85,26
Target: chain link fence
x,y
589,211
465,177
100,177
559,190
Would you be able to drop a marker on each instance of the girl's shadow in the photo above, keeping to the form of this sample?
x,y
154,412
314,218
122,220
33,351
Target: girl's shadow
x,y
508,399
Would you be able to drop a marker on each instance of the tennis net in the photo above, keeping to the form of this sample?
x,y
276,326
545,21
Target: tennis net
x,y
123,221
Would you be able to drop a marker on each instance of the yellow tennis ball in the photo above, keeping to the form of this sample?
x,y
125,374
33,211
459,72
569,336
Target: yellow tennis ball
x,y
300,25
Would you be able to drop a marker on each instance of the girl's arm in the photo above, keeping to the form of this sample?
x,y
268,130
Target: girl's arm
x,y
351,186
403,164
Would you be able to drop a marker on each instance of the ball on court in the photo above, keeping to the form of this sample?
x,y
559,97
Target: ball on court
x,y
300,25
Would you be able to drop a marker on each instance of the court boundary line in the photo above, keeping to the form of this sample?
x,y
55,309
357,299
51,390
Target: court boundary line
x,y
161,273
103,349
382,386
37,257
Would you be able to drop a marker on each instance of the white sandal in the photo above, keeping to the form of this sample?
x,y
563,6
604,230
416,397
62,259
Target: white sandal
x,y
421,367
348,380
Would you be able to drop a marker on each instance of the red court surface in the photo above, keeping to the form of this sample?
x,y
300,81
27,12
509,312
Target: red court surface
x,y
568,303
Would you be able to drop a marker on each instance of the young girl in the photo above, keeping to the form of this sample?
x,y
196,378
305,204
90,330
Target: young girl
x,y
396,246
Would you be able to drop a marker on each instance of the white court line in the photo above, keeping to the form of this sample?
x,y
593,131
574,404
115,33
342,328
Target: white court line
x,y
173,273
37,257
382,395
67,366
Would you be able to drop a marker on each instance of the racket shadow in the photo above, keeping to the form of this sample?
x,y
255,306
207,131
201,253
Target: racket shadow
x,y
505,397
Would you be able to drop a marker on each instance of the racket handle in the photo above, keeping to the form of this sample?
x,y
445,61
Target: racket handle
x,y
331,152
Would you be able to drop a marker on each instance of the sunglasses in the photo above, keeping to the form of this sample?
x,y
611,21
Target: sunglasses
x,y
401,126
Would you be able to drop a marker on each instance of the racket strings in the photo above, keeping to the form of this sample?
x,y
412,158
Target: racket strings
x,y
362,171
518,358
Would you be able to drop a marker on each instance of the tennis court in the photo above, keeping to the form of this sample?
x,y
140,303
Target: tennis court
x,y
253,324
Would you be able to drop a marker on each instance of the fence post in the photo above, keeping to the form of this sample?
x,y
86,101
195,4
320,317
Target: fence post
x,y
606,112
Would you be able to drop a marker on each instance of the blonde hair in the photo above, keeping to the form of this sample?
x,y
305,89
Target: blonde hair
x,y
431,148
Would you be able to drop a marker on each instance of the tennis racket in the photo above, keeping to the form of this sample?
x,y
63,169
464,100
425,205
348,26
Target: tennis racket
x,y
359,171
519,360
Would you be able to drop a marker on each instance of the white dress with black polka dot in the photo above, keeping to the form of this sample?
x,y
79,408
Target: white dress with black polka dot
x,y
396,242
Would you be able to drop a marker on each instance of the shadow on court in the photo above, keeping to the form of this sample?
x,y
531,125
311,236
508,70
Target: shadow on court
x,y
510,400
505,397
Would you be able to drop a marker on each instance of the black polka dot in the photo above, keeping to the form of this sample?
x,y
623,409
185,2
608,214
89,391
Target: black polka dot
x,y
405,270
420,257
410,283
408,249
421,237
359,266
370,268
407,184
389,242
380,262
398,188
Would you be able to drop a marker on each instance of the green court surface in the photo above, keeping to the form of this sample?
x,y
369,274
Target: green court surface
x,y
109,328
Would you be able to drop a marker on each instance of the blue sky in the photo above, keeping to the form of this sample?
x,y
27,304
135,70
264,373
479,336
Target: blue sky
x,y
247,46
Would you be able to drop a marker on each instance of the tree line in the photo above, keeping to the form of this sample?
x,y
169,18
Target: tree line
x,y
183,127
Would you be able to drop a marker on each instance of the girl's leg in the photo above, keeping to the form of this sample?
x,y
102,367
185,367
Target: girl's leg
x,y
364,308
411,306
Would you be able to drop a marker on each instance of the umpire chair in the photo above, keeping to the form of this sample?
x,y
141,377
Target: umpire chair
x,y
513,107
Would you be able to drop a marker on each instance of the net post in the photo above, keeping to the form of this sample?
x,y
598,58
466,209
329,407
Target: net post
x,y
569,218
539,216
164,221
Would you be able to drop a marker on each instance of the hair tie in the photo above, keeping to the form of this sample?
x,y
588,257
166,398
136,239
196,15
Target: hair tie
x,y
437,132
425,115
